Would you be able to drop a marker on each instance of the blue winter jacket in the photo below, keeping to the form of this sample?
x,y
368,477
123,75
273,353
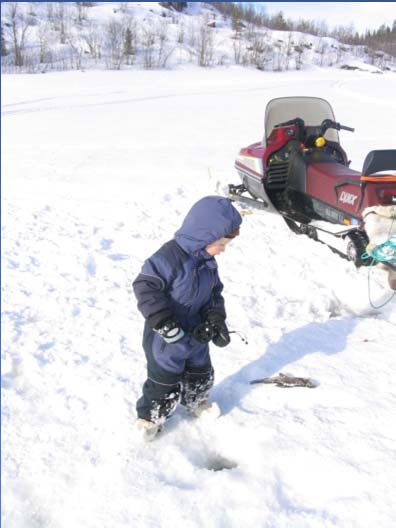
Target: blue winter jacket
x,y
181,280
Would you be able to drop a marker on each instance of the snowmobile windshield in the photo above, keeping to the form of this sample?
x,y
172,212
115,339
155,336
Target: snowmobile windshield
x,y
312,110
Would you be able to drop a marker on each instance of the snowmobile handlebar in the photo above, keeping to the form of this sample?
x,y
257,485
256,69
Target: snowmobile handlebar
x,y
295,121
325,125
349,129
328,123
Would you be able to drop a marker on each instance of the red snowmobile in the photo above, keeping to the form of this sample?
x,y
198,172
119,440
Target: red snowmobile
x,y
300,171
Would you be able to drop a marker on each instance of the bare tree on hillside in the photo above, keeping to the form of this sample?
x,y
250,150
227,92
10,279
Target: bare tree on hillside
x,y
4,50
42,35
91,36
61,19
289,50
299,50
50,11
165,50
259,51
205,43
81,10
148,42
155,44
322,29
323,49
76,52
192,33
115,33
181,35
18,26
279,55
237,45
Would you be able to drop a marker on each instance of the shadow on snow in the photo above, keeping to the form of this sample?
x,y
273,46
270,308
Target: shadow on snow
x,y
327,338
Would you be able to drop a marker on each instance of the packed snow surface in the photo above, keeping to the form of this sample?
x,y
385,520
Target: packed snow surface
x,y
98,170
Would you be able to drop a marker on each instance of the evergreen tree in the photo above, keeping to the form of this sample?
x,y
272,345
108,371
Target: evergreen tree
x,y
279,22
128,45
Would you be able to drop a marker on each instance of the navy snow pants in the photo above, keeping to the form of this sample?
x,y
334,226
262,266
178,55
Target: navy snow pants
x,y
163,390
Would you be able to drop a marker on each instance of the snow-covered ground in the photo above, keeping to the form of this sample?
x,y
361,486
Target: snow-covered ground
x,y
98,170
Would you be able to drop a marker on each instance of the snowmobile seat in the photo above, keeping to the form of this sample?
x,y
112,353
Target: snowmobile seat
x,y
333,171
324,179
378,161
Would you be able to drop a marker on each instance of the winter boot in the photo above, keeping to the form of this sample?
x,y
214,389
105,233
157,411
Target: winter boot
x,y
204,409
149,429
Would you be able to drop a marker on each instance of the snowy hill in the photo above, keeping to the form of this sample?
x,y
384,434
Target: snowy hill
x,y
145,35
99,168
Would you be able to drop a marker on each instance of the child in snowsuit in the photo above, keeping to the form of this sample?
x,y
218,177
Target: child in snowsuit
x,y
179,295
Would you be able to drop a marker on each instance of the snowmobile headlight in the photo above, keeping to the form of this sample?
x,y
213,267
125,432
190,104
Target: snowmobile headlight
x,y
320,142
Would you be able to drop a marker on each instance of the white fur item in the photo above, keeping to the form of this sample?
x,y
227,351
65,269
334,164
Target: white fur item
x,y
380,224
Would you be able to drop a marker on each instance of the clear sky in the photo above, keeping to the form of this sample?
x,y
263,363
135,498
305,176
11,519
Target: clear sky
x,y
363,15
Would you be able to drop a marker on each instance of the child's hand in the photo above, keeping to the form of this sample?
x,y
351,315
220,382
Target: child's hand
x,y
216,318
170,331
222,336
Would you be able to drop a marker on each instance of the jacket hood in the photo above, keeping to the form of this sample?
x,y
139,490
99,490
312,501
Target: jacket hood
x,y
209,219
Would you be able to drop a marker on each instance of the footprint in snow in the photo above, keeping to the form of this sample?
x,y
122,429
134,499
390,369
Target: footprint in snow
x,y
90,266
106,243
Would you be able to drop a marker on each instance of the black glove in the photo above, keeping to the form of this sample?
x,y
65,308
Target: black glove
x,y
204,332
170,330
221,336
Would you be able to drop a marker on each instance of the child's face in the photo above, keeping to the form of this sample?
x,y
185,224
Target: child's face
x,y
217,247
